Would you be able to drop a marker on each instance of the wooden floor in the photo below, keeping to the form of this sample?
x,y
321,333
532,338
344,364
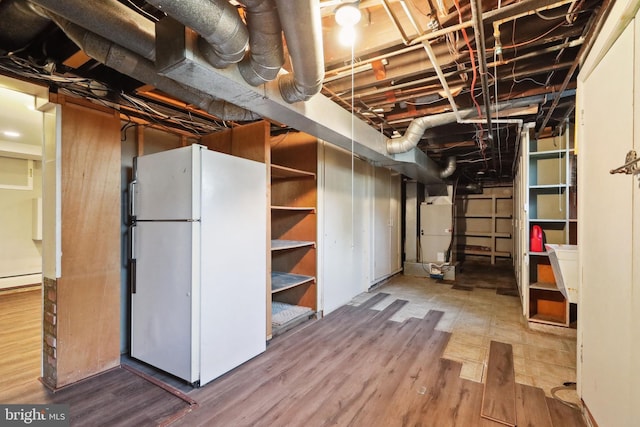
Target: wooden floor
x,y
355,367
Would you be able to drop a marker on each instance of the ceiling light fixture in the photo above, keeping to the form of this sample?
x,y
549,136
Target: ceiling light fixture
x,y
348,14
11,134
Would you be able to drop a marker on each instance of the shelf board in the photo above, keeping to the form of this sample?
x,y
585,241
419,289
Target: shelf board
x,y
488,215
548,220
485,234
280,245
548,187
549,320
285,316
283,281
483,196
550,154
310,209
544,286
487,253
539,253
283,172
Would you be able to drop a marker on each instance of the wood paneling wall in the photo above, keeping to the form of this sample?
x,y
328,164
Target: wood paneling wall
x,y
87,294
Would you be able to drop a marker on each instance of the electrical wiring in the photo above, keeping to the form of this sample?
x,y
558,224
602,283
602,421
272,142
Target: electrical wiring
x,y
475,161
142,11
533,40
472,57
99,93
529,79
195,127
563,16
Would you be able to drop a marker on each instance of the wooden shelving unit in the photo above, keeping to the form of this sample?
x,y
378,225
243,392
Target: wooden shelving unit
x,y
483,223
291,164
550,201
293,230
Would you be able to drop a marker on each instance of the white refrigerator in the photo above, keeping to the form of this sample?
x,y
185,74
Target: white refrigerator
x,y
198,305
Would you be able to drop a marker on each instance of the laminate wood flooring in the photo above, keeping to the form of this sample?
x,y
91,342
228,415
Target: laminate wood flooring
x,y
499,398
354,367
20,338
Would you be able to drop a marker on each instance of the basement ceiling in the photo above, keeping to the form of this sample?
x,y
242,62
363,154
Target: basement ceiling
x,y
530,55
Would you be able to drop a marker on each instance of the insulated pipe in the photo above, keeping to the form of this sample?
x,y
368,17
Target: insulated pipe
x,y
131,64
109,19
417,127
450,168
302,26
20,23
266,53
217,21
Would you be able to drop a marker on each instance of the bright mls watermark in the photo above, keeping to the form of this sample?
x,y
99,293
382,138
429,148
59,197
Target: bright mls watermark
x,y
34,415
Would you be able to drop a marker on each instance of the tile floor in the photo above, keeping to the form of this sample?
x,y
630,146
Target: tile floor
x,y
476,317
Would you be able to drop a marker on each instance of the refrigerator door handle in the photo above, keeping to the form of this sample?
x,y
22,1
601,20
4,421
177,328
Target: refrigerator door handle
x,y
132,199
132,269
132,261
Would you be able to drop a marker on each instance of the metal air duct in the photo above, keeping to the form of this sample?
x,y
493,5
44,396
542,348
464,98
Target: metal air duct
x,y
450,168
266,53
416,128
20,23
217,21
131,64
302,25
109,19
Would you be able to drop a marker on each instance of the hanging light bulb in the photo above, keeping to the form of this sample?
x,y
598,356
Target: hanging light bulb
x,y
348,14
347,36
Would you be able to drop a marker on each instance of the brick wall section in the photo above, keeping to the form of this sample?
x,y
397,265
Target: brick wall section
x,y
50,329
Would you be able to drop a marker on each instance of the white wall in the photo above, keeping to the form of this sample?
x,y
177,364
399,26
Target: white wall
x,y
609,229
358,225
19,253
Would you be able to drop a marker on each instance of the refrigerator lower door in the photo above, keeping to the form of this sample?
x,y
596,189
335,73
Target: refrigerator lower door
x,y
165,303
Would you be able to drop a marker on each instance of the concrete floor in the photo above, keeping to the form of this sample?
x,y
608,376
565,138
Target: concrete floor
x,y
475,318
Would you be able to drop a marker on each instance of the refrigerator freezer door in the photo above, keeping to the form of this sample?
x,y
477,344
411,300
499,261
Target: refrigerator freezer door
x,y
162,307
234,242
166,183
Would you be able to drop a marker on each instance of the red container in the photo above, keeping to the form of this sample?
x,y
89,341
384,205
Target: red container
x,y
536,239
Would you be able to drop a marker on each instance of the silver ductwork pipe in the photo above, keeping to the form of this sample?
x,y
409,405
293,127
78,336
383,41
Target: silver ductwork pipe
x,y
109,19
418,126
133,65
450,168
21,22
416,129
217,22
266,53
302,25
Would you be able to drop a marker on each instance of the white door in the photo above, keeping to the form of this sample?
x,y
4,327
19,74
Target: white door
x,y
606,219
161,303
